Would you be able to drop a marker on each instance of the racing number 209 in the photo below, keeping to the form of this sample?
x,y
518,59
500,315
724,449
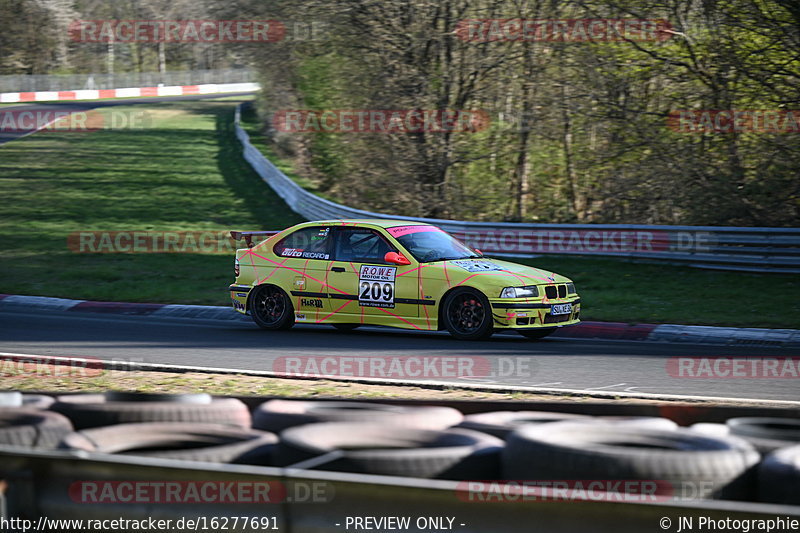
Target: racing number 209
x,y
377,291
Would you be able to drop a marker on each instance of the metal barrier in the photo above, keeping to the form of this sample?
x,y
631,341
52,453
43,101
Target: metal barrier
x,y
71,82
729,248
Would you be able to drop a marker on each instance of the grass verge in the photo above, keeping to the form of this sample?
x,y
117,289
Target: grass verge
x,y
616,290
44,380
184,172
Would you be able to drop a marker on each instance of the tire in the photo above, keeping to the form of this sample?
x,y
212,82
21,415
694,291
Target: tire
x,y
779,477
212,443
346,327
124,396
712,467
10,399
271,308
767,434
538,333
370,449
95,410
711,429
651,422
501,423
37,401
467,314
278,415
32,428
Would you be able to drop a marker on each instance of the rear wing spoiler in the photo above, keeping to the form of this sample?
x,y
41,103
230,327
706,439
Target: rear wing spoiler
x,y
248,236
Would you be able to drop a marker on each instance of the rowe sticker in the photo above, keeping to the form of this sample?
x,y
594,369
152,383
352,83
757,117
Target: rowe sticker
x,y
376,286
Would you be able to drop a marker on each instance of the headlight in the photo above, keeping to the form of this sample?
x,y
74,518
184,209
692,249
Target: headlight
x,y
520,292
571,288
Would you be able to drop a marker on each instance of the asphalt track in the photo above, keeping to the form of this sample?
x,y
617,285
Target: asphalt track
x,y
559,363
74,107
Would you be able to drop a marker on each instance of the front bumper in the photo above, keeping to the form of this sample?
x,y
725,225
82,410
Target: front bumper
x,y
516,313
239,294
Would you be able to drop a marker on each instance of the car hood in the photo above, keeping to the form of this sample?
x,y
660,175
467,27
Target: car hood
x,y
506,272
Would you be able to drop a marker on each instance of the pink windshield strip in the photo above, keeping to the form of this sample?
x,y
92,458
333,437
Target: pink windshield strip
x,y
399,231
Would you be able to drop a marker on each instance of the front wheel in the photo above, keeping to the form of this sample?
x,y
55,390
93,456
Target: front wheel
x,y
467,315
538,333
271,308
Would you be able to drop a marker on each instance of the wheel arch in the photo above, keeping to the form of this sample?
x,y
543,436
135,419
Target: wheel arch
x,y
443,299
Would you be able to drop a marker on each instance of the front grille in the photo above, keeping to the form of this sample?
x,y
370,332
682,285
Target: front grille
x,y
555,291
555,319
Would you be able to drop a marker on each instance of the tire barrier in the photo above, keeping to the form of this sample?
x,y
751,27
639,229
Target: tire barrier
x,y
375,456
277,415
96,410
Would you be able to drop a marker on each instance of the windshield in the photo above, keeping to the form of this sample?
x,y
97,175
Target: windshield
x,y
428,243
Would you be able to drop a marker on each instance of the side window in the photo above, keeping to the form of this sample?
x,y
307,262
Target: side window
x,y
307,243
361,246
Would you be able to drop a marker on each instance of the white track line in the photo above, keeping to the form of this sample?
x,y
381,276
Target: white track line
x,y
121,365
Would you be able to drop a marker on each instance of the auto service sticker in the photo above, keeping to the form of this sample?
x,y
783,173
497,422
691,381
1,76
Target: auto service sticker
x,y
299,252
473,265
376,286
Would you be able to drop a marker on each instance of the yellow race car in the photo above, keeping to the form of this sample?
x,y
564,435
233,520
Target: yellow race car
x,y
349,273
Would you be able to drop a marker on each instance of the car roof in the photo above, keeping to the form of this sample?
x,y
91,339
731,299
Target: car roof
x,y
376,222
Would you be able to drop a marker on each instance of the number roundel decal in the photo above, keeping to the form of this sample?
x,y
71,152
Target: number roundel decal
x,y
376,286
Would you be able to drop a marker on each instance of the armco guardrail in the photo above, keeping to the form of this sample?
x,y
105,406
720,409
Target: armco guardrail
x,y
72,82
729,248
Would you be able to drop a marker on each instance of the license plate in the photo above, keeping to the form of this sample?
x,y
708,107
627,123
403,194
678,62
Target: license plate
x,y
561,309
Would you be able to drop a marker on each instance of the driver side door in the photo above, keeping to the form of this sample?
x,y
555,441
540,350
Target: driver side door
x,y
379,289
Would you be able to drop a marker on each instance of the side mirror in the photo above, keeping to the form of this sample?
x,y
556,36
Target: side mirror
x,y
396,258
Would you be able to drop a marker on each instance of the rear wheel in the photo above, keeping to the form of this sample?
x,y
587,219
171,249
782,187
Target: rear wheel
x,y
467,315
538,333
271,308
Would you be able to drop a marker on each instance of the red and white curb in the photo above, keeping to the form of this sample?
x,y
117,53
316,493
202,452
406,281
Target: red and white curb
x,y
128,92
674,333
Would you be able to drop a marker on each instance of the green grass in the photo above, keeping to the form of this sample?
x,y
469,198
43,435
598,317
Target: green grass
x,y
617,290
184,173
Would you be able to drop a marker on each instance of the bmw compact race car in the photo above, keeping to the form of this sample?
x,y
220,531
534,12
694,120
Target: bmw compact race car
x,y
348,273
